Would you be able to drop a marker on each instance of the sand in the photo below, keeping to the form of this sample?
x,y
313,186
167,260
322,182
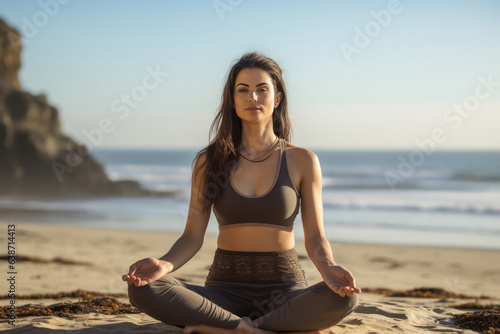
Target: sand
x,y
110,252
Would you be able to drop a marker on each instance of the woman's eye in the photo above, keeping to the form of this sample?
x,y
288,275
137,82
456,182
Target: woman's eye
x,y
262,90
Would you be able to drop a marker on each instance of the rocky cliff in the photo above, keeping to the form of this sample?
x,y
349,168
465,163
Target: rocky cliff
x,y
36,158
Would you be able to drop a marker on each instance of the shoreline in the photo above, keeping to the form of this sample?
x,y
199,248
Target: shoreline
x,y
70,214
297,238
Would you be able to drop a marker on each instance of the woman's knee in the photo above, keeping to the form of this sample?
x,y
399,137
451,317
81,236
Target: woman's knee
x,y
138,296
337,305
351,303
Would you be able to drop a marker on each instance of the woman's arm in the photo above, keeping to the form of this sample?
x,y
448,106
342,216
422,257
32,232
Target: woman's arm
x,y
147,270
317,245
181,252
191,239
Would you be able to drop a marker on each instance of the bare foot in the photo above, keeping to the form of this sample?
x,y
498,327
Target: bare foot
x,y
244,327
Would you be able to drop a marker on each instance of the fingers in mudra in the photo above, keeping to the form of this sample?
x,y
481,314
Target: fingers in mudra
x,y
144,272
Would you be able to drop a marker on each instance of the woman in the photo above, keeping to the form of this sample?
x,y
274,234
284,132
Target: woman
x,y
254,180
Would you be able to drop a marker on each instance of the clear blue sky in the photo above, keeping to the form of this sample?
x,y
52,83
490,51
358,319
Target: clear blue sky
x,y
395,89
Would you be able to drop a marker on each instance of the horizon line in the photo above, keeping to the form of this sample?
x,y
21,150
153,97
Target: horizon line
x,y
179,148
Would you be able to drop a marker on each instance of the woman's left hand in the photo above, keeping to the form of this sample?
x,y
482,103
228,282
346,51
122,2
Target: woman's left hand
x,y
341,281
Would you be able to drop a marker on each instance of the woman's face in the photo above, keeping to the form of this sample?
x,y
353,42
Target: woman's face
x,y
254,95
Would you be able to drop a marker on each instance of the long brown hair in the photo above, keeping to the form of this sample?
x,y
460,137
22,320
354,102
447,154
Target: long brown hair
x,y
222,153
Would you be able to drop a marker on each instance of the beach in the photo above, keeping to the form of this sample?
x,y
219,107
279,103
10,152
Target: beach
x,y
99,136
101,255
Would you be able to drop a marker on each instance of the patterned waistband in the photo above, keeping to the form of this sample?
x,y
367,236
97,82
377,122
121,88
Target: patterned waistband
x,y
256,267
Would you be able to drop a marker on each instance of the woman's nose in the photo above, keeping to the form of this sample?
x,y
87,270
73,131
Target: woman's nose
x,y
253,96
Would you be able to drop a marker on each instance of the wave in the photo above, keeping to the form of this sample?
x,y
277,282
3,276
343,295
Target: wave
x,y
153,177
413,227
451,202
175,175
428,179
476,176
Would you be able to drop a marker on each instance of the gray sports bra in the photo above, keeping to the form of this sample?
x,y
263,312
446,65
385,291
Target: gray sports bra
x,y
277,208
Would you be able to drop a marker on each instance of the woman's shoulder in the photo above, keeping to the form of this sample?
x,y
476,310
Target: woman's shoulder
x,y
301,153
301,157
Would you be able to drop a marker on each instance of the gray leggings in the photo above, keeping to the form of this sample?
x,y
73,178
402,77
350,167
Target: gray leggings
x,y
269,286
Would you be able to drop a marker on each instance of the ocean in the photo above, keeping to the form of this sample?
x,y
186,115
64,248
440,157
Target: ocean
x,y
444,198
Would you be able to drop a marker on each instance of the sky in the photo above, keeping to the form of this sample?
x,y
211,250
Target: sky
x,y
361,75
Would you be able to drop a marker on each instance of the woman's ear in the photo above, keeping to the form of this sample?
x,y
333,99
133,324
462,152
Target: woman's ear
x,y
277,100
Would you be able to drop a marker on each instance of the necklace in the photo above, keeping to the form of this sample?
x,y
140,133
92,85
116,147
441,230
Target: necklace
x,y
263,154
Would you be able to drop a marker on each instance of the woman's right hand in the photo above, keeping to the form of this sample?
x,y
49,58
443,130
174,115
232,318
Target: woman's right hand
x,y
145,271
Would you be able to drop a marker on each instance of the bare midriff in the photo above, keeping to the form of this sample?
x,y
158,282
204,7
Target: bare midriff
x,y
255,239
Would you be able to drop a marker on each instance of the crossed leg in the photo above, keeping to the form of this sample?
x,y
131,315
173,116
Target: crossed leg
x,y
178,304
200,309
316,307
